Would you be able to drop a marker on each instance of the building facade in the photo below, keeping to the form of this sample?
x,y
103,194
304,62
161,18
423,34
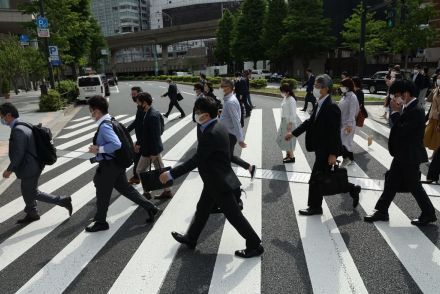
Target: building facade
x,y
11,19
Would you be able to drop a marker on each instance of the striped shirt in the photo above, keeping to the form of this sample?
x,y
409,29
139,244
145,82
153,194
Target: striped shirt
x,y
231,116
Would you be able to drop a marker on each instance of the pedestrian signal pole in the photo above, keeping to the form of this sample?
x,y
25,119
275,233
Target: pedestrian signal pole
x,y
46,50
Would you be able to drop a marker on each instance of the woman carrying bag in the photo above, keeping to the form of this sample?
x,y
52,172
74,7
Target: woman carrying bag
x,y
288,119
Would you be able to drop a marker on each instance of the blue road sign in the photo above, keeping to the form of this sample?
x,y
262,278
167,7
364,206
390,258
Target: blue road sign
x,y
24,40
42,22
54,56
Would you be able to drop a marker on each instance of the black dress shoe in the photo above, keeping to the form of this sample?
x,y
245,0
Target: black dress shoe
x,y
67,204
289,160
28,219
248,253
377,216
97,226
303,110
423,221
151,213
311,211
354,193
184,240
252,172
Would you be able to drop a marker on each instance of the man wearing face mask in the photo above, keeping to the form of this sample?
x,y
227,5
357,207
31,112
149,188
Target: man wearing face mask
x,y
418,79
406,147
26,166
230,118
151,143
323,136
198,89
309,89
110,174
213,160
136,125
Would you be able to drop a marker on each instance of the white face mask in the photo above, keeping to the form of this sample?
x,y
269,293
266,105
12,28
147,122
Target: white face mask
x,y
317,93
416,71
344,89
392,96
197,118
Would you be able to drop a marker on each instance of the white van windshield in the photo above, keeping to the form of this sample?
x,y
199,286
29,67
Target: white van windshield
x,y
88,82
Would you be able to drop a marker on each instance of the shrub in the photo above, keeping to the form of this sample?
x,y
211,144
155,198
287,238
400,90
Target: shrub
x,y
6,86
214,80
292,82
335,89
51,102
258,83
68,90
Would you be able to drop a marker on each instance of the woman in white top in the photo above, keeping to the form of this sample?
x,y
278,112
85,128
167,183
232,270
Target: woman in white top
x,y
288,121
349,106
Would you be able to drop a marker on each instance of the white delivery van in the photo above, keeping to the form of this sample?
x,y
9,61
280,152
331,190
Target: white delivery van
x,y
90,86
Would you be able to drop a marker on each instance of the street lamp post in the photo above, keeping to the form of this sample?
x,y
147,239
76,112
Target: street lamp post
x,y
46,50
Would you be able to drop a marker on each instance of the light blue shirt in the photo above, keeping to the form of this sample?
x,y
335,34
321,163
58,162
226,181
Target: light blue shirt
x,y
206,124
13,123
107,140
320,102
231,116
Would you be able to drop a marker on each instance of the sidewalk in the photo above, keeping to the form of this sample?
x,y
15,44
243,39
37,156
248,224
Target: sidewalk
x,y
27,105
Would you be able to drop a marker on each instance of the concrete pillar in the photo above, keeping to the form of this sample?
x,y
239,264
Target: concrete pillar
x,y
165,58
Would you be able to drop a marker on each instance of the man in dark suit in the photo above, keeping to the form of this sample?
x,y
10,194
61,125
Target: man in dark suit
x,y
136,125
213,160
172,94
418,79
406,147
324,138
309,89
26,166
151,143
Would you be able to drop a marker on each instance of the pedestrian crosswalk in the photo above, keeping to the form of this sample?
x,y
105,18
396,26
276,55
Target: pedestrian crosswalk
x,y
333,253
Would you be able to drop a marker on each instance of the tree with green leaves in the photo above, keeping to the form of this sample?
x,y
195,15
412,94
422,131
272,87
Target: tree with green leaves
x,y
222,50
274,30
247,41
97,43
410,31
375,41
308,33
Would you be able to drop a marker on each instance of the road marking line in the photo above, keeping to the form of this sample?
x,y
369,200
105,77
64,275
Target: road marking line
x,y
81,119
92,127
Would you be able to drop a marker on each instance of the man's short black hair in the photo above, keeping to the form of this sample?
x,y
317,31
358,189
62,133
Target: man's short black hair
x,y
7,107
198,86
203,76
137,89
145,97
207,105
402,86
98,103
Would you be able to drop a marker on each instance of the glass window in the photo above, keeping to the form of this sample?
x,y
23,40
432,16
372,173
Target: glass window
x,y
4,4
88,82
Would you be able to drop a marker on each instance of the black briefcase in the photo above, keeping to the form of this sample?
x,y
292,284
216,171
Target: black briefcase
x,y
331,182
179,97
150,179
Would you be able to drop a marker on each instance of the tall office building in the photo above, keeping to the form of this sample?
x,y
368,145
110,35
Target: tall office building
x,y
119,17
11,19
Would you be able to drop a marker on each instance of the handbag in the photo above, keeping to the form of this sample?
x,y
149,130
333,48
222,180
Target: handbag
x,y
179,97
331,181
360,119
150,179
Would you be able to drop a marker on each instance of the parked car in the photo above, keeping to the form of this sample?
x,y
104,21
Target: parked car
x,y
376,82
112,80
106,85
260,74
90,86
276,78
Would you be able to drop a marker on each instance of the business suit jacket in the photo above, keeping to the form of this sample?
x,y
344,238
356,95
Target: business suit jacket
x,y
172,92
136,125
213,159
310,84
23,153
323,133
419,82
406,137
151,143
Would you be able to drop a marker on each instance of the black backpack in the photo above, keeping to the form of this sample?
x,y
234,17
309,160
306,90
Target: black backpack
x,y
46,152
124,155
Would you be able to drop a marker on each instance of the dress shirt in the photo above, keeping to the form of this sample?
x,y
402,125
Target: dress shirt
x,y
107,140
320,102
231,115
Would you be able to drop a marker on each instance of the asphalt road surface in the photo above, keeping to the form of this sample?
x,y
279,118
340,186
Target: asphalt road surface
x,y
333,253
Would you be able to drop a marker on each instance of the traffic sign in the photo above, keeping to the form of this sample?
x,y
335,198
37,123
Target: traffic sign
x,y
43,33
42,22
24,40
54,56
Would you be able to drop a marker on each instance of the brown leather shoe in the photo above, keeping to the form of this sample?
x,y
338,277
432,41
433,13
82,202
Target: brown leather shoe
x,y
165,195
134,181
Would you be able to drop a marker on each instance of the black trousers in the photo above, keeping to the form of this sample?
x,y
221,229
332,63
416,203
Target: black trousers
x,y
346,153
315,196
235,159
228,204
109,175
407,176
175,103
309,98
31,194
434,167
136,158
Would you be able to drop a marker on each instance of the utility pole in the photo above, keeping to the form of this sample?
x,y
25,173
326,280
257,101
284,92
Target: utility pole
x,y
362,40
46,50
